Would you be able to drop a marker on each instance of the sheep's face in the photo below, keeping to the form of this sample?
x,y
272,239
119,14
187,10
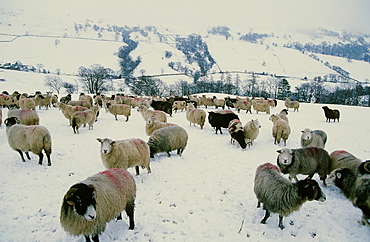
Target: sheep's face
x,y
306,134
285,157
81,198
256,123
106,145
150,120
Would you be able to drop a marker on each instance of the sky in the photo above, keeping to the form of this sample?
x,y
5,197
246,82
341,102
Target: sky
x,y
272,14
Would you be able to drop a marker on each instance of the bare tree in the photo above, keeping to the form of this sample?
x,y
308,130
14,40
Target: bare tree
x,y
94,78
54,82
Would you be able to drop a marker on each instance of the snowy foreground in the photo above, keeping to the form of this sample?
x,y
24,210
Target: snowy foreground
x,y
205,195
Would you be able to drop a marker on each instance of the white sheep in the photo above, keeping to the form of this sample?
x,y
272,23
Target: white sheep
x,y
261,106
179,105
195,115
68,110
167,139
43,100
82,103
27,103
152,124
120,109
34,138
90,204
80,118
157,114
25,116
280,129
316,138
125,153
280,195
291,104
251,130
306,161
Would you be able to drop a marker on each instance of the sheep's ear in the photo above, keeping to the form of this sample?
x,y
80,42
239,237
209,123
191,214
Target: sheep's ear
x,y
98,139
302,131
69,195
278,151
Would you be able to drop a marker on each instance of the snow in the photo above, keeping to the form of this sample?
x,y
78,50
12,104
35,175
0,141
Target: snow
x,y
207,194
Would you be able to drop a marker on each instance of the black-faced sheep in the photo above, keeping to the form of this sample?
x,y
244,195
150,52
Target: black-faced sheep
x,y
220,120
152,125
34,138
281,196
125,153
179,105
167,139
364,167
344,159
355,188
195,115
237,133
280,129
120,109
90,204
331,114
306,161
80,118
163,106
291,104
316,138
157,114
251,130
25,116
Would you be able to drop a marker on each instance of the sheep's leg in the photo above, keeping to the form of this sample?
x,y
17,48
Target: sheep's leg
x,y
116,117
21,154
127,118
130,206
87,238
168,153
41,157
119,217
267,215
95,238
137,170
258,204
28,155
281,226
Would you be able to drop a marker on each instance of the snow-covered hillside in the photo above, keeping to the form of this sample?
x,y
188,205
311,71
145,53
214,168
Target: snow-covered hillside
x,y
207,194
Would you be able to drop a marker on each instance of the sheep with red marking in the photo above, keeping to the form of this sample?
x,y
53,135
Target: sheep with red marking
x,y
291,104
89,205
25,116
344,159
152,125
157,114
125,153
306,161
80,118
280,195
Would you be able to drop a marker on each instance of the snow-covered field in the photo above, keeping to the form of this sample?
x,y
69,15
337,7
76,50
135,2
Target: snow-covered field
x,y
207,194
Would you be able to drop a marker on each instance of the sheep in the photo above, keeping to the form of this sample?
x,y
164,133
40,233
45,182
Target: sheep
x,y
284,115
280,129
87,98
90,204
25,116
237,133
251,130
43,100
316,138
54,100
219,103
167,139
207,101
291,104
261,106
355,188
364,168
120,109
281,196
179,105
195,115
221,119
34,138
7,101
306,161
80,118
66,99
125,153
331,114
1,116
344,159
82,103
146,113
152,125
27,103
244,105
162,106
68,110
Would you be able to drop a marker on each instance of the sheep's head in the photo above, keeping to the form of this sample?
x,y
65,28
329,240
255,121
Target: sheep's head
x,y
310,190
307,134
81,198
106,145
285,157
256,123
364,167
11,121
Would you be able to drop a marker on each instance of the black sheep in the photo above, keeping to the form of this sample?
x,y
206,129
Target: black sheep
x,y
220,120
163,106
331,114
